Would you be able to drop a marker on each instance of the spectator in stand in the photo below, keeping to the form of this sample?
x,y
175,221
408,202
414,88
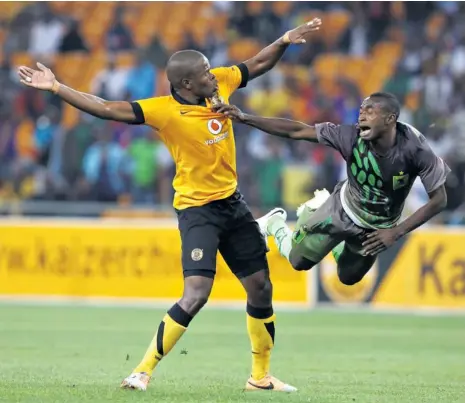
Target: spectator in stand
x,y
141,78
119,37
111,82
104,169
148,160
156,52
46,33
72,40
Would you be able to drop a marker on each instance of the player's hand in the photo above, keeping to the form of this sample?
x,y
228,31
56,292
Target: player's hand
x,y
380,240
42,79
297,35
230,111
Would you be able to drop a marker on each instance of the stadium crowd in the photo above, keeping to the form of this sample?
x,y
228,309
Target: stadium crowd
x,y
415,50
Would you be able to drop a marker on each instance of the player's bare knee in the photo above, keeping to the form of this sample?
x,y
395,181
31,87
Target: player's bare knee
x,y
264,290
192,303
259,288
196,292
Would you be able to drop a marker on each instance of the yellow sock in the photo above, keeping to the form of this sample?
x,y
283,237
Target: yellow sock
x,y
260,325
170,330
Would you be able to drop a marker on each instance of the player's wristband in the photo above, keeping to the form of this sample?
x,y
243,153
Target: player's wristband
x,y
55,87
286,38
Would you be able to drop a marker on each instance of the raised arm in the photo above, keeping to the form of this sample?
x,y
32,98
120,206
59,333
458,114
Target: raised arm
x,y
44,79
286,128
267,58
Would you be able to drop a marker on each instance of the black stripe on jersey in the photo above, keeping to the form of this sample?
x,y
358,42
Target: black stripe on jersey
x,y
245,75
139,114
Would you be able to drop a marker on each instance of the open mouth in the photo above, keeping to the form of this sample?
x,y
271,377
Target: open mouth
x,y
364,131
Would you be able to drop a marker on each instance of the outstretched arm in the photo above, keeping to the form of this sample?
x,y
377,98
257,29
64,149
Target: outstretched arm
x,y
286,128
45,80
380,240
267,58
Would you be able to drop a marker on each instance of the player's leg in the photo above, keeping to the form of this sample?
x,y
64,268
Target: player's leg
x,y
244,250
352,265
314,235
199,249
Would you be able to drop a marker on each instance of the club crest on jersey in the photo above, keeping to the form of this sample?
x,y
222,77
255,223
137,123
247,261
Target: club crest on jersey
x,y
399,181
214,126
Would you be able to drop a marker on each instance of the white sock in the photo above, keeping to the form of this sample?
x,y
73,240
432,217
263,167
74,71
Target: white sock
x,y
283,237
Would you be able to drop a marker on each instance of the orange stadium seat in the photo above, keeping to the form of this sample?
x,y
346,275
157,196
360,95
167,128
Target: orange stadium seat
x,y
220,25
412,100
125,59
281,8
398,10
434,25
243,49
22,59
70,116
9,9
355,68
327,65
334,25
255,7
152,20
308,16
97,23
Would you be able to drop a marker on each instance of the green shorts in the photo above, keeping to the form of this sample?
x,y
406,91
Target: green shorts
x,y
318,232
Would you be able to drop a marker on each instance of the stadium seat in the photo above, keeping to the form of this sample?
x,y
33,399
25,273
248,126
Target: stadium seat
x,y
255,7
354,68
281,8
334,25
70,116
327,65
243,49
435,25
22,59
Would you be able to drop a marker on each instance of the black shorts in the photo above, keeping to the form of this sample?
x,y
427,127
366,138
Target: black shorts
x,y
223,225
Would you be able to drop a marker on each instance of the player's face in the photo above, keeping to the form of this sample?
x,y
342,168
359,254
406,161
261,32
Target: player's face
x,y
372,120
203,82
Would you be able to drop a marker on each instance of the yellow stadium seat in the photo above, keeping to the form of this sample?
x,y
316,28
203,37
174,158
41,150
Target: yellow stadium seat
x,y
354,68
327,65
387,53
243,49
334,25
125,59
2,38
255,7
281,8
398,10
70,116
434,25
22,59
412,100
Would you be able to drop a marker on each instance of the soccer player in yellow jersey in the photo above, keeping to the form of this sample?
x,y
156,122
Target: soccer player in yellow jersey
x,y
212,213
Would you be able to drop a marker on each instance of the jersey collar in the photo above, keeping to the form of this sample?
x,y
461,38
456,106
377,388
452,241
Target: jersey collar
x,y
182,101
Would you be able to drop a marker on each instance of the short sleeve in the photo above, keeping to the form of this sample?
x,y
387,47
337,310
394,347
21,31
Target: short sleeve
x,y
432,169
152,112
232,78
339,137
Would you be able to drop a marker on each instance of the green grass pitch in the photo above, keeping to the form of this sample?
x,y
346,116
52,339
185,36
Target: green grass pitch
x,y
81,354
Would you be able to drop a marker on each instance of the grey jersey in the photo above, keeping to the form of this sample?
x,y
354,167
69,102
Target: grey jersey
x,y
377,186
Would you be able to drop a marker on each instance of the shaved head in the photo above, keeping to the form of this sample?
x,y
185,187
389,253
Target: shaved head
x,y
183,65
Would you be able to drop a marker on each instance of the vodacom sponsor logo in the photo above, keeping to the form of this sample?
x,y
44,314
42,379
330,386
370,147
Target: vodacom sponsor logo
x,y
215,127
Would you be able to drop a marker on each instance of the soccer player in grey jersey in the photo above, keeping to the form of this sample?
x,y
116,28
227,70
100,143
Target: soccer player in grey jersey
x,y
361,217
